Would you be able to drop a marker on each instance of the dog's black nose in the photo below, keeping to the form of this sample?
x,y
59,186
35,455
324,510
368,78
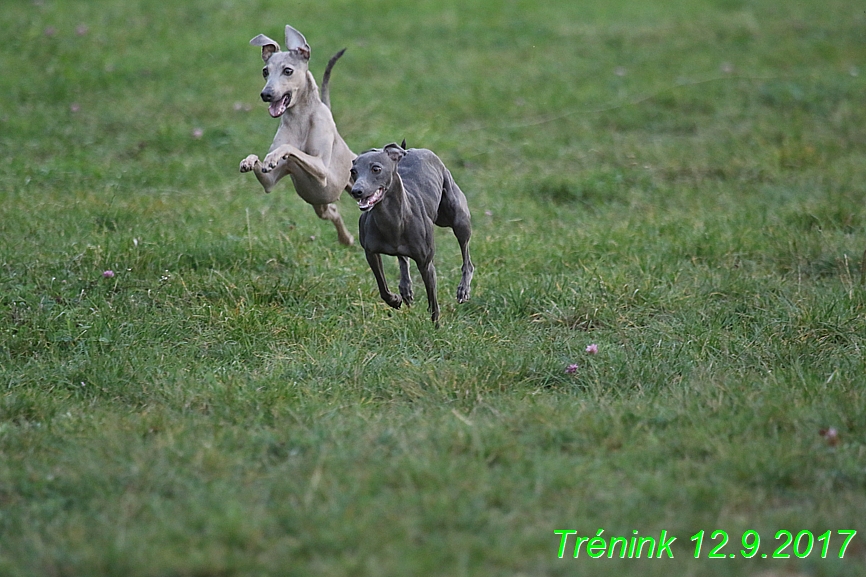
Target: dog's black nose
x,y
267,95
356,192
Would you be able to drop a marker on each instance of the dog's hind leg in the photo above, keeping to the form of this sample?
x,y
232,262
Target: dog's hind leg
x,y
428,275
330,212
463,232
461,224
405,281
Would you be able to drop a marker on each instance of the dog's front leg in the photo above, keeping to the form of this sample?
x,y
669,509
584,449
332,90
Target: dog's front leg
x,y
312,165
375,261
405,281
267,179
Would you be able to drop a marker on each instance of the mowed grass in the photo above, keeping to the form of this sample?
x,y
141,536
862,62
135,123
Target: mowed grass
x,y
680,183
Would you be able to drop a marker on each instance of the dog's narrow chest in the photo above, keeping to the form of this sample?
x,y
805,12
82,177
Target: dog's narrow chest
x,y
294,129
381,233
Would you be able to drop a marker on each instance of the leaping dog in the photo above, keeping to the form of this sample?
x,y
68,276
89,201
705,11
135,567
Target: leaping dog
x,y
307,145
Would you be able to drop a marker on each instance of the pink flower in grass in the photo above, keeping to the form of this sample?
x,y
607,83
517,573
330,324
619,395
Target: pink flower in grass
x,y
831,435
571,369
108,274
592,349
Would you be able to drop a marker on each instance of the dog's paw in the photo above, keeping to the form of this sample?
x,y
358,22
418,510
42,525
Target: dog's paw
x,y
272,160
462,294
394,301
408,295
249,163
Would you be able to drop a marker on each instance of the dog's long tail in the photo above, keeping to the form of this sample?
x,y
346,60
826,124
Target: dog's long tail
x,y
326,92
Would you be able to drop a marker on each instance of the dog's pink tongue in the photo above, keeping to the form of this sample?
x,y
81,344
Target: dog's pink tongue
x,y
278,107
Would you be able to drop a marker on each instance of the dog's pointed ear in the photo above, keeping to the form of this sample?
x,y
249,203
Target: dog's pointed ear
x,y
394,151
268,46
296,41
403,144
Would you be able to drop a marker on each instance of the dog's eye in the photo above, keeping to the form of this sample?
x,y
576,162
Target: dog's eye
x,y
265,72
288,71
376,169
353,172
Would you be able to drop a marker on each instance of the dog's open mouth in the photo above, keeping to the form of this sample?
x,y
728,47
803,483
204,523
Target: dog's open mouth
x,y
370,201
278,107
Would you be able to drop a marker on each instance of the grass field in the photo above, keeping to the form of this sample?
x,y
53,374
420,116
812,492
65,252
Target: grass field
x,y
681,183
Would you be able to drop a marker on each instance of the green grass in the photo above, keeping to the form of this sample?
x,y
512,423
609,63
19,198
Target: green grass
x,y
681,183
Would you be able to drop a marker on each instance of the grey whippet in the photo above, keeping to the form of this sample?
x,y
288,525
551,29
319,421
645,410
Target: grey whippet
x,y
307,145
402,194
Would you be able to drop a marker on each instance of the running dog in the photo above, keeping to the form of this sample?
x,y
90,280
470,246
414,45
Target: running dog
x,y
402,194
